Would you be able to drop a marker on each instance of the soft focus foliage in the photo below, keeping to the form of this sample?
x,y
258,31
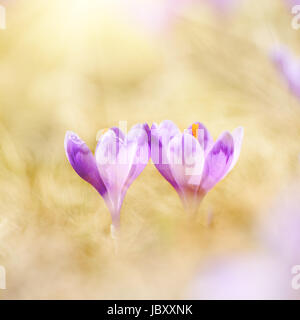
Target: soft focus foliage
x,y
85,65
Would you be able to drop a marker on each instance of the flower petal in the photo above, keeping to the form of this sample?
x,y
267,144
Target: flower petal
x,y
119,133
218,161
289,67
203,136
83,161
109,145
113,164
237,135
170,127
186,159
160,138
139,134
120,166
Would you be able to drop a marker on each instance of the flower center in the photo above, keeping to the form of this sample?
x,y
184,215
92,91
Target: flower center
x,y
195,127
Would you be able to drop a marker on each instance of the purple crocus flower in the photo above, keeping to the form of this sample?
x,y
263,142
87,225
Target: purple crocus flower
x,y
269,272
280,229
289,67
191,161
118,161
244,276
292,3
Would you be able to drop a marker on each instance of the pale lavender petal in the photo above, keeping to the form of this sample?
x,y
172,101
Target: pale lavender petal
x,y
168,126
218,161
119,133
114,133
120,166
140,132
237,135
203,136
109,144
186,159
83,161
142,136
243,276
112,172
289,67
114,177
160,137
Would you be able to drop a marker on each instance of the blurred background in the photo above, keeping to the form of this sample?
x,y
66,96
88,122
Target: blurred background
x,y
86,65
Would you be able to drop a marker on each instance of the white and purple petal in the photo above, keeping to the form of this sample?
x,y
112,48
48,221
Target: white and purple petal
x,y
203,136
238,135
120,162
141,135
218,161
289,67
160,138
83,161
186,161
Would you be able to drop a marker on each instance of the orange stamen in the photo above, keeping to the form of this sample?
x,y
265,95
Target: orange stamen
x,y
195,127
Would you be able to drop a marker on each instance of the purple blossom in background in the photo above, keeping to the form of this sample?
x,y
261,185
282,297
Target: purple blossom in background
x,y
281,229
223,6
269,273
289,67
191,161
118,161
250,276
292,3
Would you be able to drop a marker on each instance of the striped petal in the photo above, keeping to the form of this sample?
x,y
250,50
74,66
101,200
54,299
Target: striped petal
x,y
218,161
83,161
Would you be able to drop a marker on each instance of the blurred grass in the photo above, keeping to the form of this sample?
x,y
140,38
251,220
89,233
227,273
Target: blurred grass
x,y
84,67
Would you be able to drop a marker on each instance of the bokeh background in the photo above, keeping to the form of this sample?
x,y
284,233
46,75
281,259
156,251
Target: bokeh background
x,y
86,65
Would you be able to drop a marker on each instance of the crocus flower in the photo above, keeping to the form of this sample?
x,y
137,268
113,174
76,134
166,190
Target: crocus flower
x,y
118,161
272,272
289,67
248,275
191,161
292,3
